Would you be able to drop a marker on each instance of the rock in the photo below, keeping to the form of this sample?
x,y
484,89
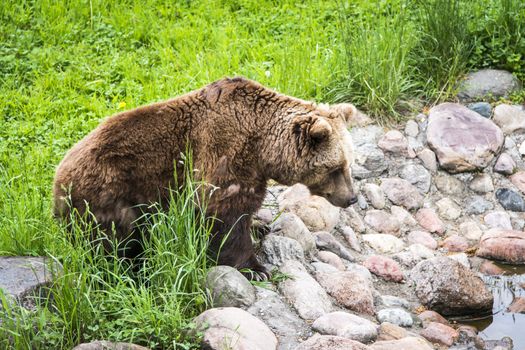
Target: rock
x,y
423,238
384,267
383,243
491,269
360,270
26,279
481,183
349,289
264,215
401,192
448,209
389,331
498,219
234,328
522,148
510,200
332,259
369,162
448,184
462,139
429,316
325,241
518,179
411,128
316,212
428,219
351,238
446,286
517,306
393,301
346,325
303,292
455,243
278,249
279,317
408,343
416,252
487,82
330,342
382,222
403,216
461,258
354,220
482,108
470,230
503,245
504,343
417,175
228,287
106,345
429,159
394,142
375,195
361,202
509,118
505,164
396,316
289,225
476,205
440,333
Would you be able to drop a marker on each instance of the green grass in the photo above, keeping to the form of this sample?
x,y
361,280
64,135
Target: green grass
x,y
66,65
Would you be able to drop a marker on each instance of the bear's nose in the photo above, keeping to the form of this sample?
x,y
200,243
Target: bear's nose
x,y
351,200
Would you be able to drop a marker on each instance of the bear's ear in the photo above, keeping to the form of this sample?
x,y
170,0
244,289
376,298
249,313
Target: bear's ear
x,y
320,129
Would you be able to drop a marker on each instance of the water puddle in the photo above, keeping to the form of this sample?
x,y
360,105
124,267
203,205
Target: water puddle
x,y
502,323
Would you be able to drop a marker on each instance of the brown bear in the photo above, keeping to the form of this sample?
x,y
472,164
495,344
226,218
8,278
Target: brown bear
x,y
241,134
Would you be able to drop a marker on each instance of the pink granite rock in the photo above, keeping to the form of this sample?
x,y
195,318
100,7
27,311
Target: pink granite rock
x,y
430,316
429,220
384,267
504,245
423,238
440,333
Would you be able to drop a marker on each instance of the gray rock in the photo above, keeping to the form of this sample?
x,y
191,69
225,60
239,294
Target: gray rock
x,y
446,286
346,325
289,225
331,342
505,164
510,199
487,82
417,175
509,118
382,222
482,183
228,287
411,128
448,184
233,328
106,345
482,108
369,162
477,205
278,249
375,195
429,159
361,202
353,219
396,316
391,301
304,293
461,258
462,139
401,192
325,241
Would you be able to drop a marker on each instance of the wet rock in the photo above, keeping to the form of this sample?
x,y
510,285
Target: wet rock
x,y
440,333
446,286
482,108
429,159
411,128
476,205
518,180
428,219
491,269
404,217
429,316
289,225
332,259
470,230
401,192
417,175
448,184
510,200
330,342
382,222
106,345
278,249
325,241
389,331
346,325
481,183
498,219
396,316
228,287
349,289
408,343
394,142
509,118
505,164
455,243
375,195
303,292
234,328
384,267
423,238
279,317
462,139
383,243
517,306
485,82
351,238
503,245
316,212
393,301
448,209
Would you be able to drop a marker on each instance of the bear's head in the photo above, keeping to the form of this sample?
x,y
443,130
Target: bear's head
x,y
323,144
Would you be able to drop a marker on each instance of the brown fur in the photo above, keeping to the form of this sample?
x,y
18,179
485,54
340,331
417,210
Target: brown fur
x,y
241,134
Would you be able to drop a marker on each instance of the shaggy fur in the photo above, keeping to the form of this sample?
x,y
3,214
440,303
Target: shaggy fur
x,y
241,135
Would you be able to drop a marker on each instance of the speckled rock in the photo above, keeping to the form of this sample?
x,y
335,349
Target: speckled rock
x,y
401,192
278,249
475,205
429,316
228,287
518,179
346,325
404,217
396,316
384,267
351,238
448,184
417,175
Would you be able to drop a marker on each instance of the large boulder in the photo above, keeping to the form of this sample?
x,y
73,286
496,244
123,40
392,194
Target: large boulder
x,y
487,82
462,139
504,245
446,286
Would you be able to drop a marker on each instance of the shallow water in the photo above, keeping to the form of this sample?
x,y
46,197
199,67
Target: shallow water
x,y
502,323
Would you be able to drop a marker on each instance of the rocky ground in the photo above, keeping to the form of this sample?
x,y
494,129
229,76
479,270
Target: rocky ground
x,y
439,201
